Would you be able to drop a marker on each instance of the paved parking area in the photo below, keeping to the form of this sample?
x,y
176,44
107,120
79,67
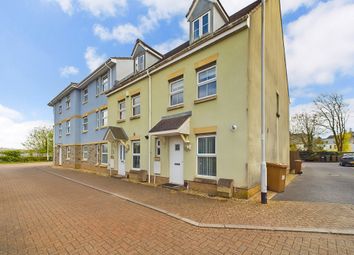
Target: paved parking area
x,y
43,214
322,182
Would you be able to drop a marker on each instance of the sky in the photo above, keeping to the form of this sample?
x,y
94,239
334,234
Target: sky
x,y
46,44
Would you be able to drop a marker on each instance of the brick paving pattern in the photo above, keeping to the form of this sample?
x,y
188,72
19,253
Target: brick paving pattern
x,y
205,210
44,214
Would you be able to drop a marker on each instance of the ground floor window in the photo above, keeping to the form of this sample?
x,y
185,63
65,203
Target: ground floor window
x,y
136,155
85,152
68,152
206,155
97,154
104,154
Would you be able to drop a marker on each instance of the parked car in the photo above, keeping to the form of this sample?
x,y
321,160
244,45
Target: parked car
x,y
347,160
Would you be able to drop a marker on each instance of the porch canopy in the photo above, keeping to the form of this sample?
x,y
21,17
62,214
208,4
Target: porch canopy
x,y
172,125
115,134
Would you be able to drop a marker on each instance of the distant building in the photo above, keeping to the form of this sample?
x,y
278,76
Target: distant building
x,y
330,143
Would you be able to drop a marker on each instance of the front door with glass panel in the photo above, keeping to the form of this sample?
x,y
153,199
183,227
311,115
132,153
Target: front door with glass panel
x,y
121,159
176,161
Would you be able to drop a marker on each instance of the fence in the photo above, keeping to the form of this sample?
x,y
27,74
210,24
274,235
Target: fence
x,y
320,156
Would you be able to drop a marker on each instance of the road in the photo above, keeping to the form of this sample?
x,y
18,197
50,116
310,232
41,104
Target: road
x,y
45,214
322,182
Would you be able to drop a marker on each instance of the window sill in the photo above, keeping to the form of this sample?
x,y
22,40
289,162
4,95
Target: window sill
x,y
175,107
205,99
84,102
85,132
157,159
103,165
84,160
120,121
135,117
205,179
67,134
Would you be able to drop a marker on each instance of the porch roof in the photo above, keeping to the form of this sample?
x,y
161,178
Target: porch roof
x,y
115,134
172,125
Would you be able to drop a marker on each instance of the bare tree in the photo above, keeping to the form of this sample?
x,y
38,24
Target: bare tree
x,y
333,113
305,127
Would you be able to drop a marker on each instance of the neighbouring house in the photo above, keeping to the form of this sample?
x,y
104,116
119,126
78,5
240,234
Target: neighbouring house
x,y
191,116
330,143
81,118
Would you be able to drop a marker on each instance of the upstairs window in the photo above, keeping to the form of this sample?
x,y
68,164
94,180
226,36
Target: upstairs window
x,y
104,118
140,63
201,26
207,82
68,102
136,105
104,83
68,127
121,107
85,96
84,124
98,91
97,120
60,109
60,130
176,92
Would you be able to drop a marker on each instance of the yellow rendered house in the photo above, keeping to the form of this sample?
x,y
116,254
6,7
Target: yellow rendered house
x,y
192,117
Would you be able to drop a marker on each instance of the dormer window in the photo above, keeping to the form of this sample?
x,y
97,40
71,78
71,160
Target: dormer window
x,y
139,63
201,26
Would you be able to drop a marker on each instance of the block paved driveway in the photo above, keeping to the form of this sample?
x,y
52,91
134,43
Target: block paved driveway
x,y
322,182
44,214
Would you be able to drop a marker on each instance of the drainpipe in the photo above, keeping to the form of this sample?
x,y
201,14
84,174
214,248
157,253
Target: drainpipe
x,y
149,140
110,75
263,113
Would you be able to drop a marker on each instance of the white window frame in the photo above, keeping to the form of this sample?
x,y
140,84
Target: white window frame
x,y
200,19
103,84
136,105
98,88
85,124
207,156
97,154
98,120
60,130
85,96
68,152
136,155
199,84
104,153
85,153
60,109
176,92
157,147
122,110
68,102
140,66
103,119
68,127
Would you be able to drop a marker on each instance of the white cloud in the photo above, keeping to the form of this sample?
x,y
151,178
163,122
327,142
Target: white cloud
x,y
102,7
320,44
65,5
66,71
93,60
289,6
123,33
14,129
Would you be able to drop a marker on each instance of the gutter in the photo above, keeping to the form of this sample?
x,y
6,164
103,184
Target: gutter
x,y
150,122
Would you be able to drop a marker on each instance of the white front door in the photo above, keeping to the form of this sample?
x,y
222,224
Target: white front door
x,y
176,161
121,160
60,156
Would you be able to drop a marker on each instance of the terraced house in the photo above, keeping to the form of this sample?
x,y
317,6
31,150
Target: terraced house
x,y
191,117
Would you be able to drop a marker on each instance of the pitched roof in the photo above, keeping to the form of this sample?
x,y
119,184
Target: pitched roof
x,y
149,48
72,86
171,123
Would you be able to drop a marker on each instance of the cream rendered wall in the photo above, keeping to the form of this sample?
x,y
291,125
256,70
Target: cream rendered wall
x,y
276,81
229,108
